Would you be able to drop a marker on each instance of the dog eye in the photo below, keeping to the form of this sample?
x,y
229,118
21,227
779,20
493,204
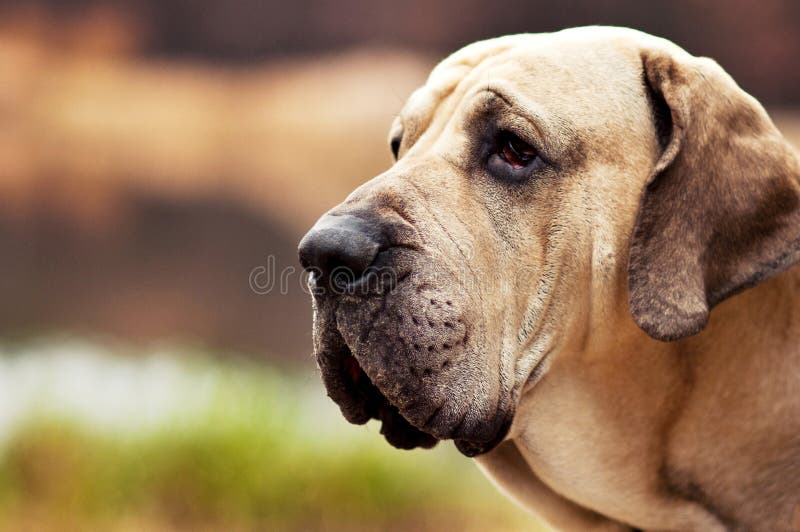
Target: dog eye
x,y
512,159
395,145
515,151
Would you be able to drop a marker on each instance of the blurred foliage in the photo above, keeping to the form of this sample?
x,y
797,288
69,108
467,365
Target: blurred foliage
x,y
264,454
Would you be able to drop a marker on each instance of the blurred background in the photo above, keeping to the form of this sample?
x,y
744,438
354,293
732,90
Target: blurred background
x,y
159,160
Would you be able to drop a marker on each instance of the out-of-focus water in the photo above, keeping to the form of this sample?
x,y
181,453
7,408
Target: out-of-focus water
x,y
100,386
85,382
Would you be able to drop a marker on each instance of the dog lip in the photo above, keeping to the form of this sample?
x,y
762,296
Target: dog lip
x,y
335,368
472,448
360,400
405,422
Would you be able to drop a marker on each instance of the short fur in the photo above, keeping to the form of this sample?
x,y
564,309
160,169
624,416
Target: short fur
x,y
561,329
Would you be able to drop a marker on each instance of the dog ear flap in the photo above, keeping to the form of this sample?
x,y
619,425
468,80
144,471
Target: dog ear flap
x,y
721,211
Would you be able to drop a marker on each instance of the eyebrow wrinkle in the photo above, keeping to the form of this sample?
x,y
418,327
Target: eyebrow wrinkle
x,y
557,133
536,120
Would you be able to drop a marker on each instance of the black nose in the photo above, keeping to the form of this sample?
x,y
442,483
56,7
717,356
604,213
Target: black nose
x,y
340,248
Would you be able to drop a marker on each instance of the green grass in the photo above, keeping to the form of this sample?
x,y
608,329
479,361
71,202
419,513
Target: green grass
x,y
265,452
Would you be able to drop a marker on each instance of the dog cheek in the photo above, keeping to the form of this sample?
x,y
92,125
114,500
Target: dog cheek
x,y
434,332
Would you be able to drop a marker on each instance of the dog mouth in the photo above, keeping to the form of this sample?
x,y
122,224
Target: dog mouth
x,y
402,355
360,400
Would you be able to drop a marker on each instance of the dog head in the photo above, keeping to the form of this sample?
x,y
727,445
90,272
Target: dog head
x,y
546,187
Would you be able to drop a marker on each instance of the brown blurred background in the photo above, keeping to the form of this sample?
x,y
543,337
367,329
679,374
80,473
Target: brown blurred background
x,y
153,153
156,156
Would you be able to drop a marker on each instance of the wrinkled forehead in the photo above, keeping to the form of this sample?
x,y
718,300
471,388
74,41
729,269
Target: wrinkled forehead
x,y
586,78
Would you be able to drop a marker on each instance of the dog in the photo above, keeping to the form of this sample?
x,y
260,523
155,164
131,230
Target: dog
x,y
564,211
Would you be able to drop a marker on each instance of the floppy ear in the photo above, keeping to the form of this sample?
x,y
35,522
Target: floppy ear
x,y
721,211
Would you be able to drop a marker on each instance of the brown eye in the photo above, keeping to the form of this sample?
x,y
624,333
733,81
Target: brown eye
x,y
515,151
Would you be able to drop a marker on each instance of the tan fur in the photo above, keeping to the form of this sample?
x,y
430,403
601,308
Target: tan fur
x,y
629,231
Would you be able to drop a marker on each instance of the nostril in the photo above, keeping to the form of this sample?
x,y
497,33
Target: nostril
x,y
340,248
349,261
